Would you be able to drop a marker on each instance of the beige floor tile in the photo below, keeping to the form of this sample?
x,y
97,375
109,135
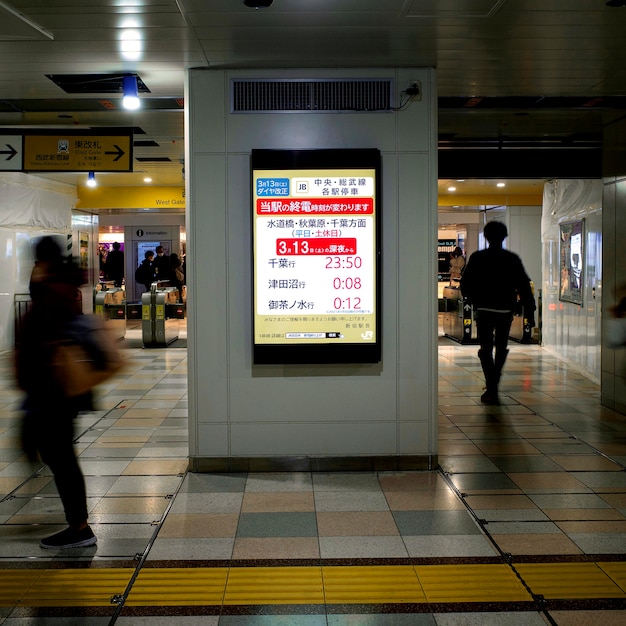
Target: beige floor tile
x,y
452,448
149,505
593,526
618,500
187,525
583,514
589,618
148,422
498,449
585,463
277,548
157,467
536,544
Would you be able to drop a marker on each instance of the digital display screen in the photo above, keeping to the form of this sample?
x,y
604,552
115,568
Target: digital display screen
x,y
316,256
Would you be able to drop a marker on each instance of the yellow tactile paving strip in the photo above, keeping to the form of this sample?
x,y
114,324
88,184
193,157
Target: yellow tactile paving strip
x,y
238,586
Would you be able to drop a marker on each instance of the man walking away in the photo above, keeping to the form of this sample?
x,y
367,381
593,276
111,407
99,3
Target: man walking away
x,y
492,282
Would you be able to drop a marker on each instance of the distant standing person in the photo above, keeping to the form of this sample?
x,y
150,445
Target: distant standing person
x,y
492,282
178,278
114,265
162,265
457,264
144,274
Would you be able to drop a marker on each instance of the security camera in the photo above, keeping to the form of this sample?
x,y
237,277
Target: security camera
x,y
258,4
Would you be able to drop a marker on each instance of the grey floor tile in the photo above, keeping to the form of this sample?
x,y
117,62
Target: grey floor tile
x,y
207,503
273,620
433,546
600,543
208,483
362,547
383,619
526,618
484,482
192,549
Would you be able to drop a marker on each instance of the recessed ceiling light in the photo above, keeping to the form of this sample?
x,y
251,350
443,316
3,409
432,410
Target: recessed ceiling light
x,y
501,185
147,179
451,188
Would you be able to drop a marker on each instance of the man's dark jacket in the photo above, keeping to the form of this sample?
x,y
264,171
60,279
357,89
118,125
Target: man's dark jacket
x,y
493,278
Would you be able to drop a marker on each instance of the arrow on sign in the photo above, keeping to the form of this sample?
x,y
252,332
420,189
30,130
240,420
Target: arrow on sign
x,y
11,150
120,153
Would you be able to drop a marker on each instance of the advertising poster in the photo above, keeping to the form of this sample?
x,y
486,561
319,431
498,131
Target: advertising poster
x,y
315,251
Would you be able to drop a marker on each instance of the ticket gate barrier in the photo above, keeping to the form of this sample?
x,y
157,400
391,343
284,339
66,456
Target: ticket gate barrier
x,y
111,305
458,317
521,330
160,314
133,311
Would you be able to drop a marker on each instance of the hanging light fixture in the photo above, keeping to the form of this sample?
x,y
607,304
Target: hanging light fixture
x,y
91,180
131,94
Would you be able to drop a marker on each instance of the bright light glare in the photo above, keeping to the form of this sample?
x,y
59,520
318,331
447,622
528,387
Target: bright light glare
x,y
130,100
91,180
131,45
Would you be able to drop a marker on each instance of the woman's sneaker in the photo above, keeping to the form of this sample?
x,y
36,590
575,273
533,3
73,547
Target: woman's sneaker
x,y
69,538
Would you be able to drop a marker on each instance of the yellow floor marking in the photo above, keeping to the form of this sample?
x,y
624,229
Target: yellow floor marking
x,y
617,571
312,585
471,583
179,587
369,585
14,584
272,585
568,581
77,587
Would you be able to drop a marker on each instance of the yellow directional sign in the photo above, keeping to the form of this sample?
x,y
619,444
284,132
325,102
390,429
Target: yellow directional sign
x,y
77,153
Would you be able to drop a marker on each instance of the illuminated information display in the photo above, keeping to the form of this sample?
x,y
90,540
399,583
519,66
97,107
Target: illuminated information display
x,y
316,249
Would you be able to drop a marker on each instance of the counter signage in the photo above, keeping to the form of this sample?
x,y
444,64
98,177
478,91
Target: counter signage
x,y
315,224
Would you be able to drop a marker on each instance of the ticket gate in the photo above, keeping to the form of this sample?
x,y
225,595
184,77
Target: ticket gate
x,y
458,317
111,305
160,315
521,331
459,323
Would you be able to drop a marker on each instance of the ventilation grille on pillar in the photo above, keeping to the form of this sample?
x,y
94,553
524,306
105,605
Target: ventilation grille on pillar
x,y
312,96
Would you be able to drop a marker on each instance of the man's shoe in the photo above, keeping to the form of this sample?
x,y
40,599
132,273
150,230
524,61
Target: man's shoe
x,y
69,538
490,398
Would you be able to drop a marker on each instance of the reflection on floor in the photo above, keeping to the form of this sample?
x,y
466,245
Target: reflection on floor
x,y
525,523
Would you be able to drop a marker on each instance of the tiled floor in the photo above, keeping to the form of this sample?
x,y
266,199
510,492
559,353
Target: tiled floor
x,y
525,523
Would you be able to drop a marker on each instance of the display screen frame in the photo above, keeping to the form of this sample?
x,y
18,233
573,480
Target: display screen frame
x,y
322,162
572,261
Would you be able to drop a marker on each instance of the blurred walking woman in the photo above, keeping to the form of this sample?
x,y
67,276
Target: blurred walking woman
x,y
48,425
